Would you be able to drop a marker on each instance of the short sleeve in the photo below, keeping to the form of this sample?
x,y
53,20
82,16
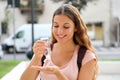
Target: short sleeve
x,y
88,56
87,71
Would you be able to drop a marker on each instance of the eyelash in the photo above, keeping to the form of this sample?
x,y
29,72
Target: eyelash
x,y
64,27
56,26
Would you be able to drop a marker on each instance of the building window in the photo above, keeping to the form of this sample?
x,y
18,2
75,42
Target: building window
x,y
17,3
4,26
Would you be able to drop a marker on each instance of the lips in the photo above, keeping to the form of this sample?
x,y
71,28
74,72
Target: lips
x,y
61,36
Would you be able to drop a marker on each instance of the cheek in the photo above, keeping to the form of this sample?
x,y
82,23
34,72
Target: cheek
x,y
54,31
71,31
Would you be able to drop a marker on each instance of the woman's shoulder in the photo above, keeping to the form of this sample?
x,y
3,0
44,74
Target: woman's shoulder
x,y
88,57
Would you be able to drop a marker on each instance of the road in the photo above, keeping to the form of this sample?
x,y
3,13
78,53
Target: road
x,y
107,54
17,56
102,52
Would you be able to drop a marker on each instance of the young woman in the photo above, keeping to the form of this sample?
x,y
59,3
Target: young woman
x,y
68,33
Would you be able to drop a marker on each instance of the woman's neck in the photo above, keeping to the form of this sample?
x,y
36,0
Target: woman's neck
x,y
69,46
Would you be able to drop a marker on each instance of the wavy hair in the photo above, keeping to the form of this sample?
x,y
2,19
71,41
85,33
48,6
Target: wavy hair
x,y
80,36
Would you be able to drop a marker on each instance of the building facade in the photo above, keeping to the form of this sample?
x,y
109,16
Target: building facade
x,y
98,15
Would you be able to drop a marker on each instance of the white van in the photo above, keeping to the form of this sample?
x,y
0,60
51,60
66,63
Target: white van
x,y
1,53
23,37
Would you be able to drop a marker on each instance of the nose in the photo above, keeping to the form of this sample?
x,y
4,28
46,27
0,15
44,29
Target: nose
x,y
60,31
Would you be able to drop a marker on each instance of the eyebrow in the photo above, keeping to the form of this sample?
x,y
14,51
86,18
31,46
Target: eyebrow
x,y
64,23
67,23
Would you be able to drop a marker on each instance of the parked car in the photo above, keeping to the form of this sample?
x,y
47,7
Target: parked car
x,y
1,52
29,53
23,37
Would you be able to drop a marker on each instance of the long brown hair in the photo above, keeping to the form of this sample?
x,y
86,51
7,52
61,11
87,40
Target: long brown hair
x,y
80,36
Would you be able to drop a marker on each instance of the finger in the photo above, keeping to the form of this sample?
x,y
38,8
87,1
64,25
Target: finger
x,y
39,51
37,68
40,44
48,43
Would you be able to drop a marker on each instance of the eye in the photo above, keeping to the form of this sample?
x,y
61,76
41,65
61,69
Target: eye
x,y
55,26
66,27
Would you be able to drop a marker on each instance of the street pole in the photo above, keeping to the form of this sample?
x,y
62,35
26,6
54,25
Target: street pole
x,y
13,6
107,25
118,33
32,19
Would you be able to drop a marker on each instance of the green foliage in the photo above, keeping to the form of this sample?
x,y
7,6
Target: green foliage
x,y
7,66
80,4
116,59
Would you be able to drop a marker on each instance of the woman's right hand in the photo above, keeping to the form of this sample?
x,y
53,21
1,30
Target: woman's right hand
x,y
39,48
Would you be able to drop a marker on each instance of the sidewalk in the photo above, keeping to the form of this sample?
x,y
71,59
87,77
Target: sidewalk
x,y
108,77
107,71
16,72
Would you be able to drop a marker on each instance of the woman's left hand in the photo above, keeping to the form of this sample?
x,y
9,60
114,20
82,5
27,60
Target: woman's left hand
x,y
49,70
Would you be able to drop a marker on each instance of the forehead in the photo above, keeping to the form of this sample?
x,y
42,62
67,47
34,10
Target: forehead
x,y
62,18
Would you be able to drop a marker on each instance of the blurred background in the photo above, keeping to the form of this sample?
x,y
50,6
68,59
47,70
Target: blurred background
x,y
22,22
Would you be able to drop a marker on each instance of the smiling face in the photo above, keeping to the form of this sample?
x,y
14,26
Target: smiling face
x,y
63,28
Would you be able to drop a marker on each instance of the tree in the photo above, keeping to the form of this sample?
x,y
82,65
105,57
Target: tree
x,y
80,4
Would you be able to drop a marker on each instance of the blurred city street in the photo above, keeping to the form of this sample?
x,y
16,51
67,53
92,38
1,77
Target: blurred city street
x,y
106,71
102,18
102,52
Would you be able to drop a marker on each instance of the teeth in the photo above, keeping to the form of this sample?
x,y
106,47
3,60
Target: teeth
x,y
60,35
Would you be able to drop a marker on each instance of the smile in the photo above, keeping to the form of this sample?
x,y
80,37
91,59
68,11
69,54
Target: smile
x,y
61,37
